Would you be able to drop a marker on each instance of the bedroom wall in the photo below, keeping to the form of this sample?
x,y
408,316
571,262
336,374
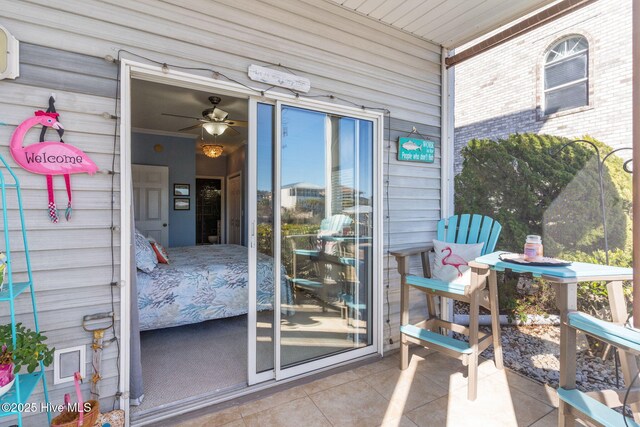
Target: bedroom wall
x,y
63,44
180,156
206,166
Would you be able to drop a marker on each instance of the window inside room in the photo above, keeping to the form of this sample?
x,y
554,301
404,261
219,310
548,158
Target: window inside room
x,y
566,75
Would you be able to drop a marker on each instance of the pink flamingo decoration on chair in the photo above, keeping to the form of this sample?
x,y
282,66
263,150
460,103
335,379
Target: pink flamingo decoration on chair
x,y
49,157
453,260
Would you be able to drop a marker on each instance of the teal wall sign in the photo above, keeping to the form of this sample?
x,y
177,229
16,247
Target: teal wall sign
x,y
416,150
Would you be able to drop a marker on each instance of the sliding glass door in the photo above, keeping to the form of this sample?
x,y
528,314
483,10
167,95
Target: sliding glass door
x,y
314,223
326,200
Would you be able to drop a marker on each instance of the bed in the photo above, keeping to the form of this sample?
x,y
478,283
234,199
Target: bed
x,y
203,283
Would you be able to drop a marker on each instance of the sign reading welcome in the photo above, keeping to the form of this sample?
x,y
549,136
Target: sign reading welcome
x,y
416,150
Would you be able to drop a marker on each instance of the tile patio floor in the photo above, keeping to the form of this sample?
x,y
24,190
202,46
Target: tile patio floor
x,y
431,392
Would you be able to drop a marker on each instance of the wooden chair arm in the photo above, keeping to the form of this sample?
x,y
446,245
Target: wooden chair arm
x,y
402,258
478,265
411,251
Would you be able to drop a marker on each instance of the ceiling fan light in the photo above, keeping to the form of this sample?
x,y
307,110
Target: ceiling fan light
x,y
212,151
215,128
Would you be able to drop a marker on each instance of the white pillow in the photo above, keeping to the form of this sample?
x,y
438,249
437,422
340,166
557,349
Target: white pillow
x,y
146,259
450,263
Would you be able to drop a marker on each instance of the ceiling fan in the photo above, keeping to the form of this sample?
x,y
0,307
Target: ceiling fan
x,y
214,120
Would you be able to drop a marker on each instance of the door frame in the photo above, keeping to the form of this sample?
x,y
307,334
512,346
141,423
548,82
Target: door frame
x,y
223,199
228,206
132,69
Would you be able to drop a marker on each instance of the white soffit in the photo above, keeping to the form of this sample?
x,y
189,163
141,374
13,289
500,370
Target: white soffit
x,y
449,23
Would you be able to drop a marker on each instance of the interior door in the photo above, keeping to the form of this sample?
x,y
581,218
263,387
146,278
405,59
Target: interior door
x,y
151,201
234,195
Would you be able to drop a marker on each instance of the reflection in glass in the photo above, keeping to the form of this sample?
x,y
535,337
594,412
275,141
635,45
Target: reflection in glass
x,y
208,211
264,345
327,234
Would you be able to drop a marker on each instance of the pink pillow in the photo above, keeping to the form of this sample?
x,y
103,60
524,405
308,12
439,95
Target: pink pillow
x,y
451,260
161,252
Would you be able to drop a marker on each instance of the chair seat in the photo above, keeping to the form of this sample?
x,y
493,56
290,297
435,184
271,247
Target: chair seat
x,y
305,283
348,301
615,334
436,285
307,252
589,406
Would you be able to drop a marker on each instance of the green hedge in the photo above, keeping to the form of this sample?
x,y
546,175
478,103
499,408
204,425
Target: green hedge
x,y
519,183
528,190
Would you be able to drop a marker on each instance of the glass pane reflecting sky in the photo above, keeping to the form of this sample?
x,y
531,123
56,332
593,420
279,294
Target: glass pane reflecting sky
x,y
303,136
265,147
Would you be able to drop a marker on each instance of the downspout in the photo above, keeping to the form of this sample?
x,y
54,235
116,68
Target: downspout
x,y
636,160
446,151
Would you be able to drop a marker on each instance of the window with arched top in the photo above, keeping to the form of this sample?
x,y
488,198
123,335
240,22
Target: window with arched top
x,y
566,75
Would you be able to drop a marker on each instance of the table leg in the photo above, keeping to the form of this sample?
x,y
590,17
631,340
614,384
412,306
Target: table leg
x,y
404,320
495,319
474,314
566,299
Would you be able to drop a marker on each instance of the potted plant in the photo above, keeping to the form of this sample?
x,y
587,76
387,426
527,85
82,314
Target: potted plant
x,y
28,352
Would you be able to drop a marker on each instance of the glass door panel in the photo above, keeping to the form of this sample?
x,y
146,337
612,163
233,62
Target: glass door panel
x,y
263,274
265,292
326,228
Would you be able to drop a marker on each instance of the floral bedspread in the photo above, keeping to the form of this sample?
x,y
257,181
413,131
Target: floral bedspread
x,y
203,283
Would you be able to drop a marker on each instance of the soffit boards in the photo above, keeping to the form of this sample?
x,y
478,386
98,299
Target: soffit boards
x,y
449,23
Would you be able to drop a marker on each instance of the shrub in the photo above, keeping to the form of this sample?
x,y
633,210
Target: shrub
x,y
529,191
518,182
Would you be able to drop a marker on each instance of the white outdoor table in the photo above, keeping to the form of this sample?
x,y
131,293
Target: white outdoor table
x,y
565,281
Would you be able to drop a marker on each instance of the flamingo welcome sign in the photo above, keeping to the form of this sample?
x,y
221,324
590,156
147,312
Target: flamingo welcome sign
x,y
50,157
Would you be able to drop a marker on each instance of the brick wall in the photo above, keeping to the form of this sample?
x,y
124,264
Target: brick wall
x,y
499,92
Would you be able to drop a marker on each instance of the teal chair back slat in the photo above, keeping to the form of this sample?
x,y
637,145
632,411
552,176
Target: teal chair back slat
x,y
470,229
463,229
452,226
335,224
474,231
442,226
490,246
485,230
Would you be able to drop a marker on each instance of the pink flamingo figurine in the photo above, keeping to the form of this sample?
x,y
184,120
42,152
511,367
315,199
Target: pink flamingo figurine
x,y
49,157
453,260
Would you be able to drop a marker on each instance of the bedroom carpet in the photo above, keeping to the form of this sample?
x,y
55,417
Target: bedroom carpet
x,y
187,361
211,357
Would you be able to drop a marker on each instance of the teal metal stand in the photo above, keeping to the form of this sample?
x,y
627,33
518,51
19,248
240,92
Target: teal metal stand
x,y
24,384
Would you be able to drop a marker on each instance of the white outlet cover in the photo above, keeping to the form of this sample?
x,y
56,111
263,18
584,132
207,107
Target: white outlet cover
x,y
9,55
68,361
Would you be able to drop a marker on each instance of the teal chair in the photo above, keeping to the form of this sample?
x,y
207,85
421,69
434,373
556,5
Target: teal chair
x,y
428,333
317,248
595,407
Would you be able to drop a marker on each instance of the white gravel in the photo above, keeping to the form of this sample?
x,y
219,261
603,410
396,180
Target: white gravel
x,y
534,351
